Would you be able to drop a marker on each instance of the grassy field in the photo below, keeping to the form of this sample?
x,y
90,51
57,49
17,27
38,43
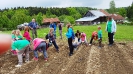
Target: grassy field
x,y
124,32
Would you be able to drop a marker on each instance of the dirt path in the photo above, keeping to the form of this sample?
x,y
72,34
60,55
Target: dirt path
x,y
117,59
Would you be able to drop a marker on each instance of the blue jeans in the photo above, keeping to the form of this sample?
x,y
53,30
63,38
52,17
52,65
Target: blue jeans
x,y
55,45
41,46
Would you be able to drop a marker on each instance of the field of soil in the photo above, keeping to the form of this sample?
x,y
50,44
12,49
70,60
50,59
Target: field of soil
x,y
116,59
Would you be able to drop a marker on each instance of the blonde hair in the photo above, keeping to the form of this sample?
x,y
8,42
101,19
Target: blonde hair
x,y
18,32
99,27
13,32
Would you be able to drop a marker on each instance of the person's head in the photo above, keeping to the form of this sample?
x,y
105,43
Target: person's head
x,y
14,32
78,31
51,31
99,27
26,28
33,20
109,18
18,32
95,33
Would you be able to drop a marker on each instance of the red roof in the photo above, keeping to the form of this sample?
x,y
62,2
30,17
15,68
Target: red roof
x,y
46,20
105,12
117,17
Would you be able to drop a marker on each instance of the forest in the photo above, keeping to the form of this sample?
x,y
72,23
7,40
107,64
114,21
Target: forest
x,y
12,17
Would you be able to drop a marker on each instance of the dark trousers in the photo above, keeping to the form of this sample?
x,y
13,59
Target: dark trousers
x,y
34,32
70,45
55,45
91,40
110,37
100,42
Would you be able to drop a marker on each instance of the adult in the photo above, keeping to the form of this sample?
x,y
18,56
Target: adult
x,y
70,37
111,29
53,25
60,29
33,27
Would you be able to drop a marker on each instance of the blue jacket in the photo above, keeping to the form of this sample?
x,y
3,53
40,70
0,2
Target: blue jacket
x,y
53,25
31,24
70,33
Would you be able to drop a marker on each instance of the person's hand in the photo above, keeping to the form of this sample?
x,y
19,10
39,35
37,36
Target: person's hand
x,y
17,50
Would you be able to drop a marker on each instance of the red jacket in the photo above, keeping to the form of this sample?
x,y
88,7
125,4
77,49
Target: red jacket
x,y
27,35
94,34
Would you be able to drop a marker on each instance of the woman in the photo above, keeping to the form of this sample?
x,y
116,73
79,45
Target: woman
x,y
70,37
111,29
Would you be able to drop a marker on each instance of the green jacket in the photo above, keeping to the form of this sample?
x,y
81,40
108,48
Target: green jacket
x,y
19,44
100,34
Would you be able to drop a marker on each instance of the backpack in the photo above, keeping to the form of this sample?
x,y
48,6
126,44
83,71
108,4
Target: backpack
x,y
46,36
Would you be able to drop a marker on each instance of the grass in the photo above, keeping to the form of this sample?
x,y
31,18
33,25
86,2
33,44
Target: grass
x,y
123,33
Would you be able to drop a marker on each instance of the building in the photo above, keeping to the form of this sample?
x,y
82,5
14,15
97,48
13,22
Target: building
x,y
118,18
47,21
93,17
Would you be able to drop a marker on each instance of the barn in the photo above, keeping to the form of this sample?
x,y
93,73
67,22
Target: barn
x,y
93,17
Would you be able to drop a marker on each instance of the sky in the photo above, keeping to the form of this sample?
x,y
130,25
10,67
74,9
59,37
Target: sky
x,y
100,4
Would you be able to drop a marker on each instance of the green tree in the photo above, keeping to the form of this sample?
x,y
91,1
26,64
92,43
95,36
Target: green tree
x,y
122,12
130,12
39,18
69,19
112,8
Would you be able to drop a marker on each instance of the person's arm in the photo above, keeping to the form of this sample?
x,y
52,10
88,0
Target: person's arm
x,y
115,27
29,25
106,26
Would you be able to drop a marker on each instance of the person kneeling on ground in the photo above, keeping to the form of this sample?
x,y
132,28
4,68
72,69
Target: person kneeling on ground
x,y
83,38
76,42
40,45
21,46
94,36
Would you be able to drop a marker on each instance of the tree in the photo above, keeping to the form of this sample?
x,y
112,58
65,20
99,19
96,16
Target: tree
x,y
122,12
39,18
112,7
69,19
130,12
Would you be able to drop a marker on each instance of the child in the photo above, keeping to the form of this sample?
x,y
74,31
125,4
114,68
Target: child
x,y
76,42
18,35
21,46
38,44
60,29
26,33
99,36
52,39
78,34
94,36
13,35
83,38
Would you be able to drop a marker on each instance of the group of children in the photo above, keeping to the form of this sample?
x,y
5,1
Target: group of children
x,y
81,38
23,43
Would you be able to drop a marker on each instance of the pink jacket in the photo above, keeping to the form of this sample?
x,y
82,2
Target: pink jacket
x,y
27,35
83,37
36,42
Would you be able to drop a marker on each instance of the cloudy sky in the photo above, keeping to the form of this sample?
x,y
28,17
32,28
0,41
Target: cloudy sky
x,y
100,4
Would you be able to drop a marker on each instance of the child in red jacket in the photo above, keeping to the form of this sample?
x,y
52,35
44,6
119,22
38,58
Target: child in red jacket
x,y
26,33
94,36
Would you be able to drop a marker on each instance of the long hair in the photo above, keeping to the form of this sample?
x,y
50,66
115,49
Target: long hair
x,y
26,28
18,32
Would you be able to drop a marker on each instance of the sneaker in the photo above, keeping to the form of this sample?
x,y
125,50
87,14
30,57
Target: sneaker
x,y
46,59
99,47
89,44
26,61
70,54
18,65
109,44
36,59
57,51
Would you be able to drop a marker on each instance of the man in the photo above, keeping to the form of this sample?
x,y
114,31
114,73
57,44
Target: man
x,y
33,26
53,25
60,29
111,29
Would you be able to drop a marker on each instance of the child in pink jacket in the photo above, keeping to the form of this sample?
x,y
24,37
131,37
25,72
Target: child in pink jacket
x,y
83,38
26,33
38,44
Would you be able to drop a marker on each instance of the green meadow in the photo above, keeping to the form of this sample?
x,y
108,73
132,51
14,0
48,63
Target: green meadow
x,y
123,33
